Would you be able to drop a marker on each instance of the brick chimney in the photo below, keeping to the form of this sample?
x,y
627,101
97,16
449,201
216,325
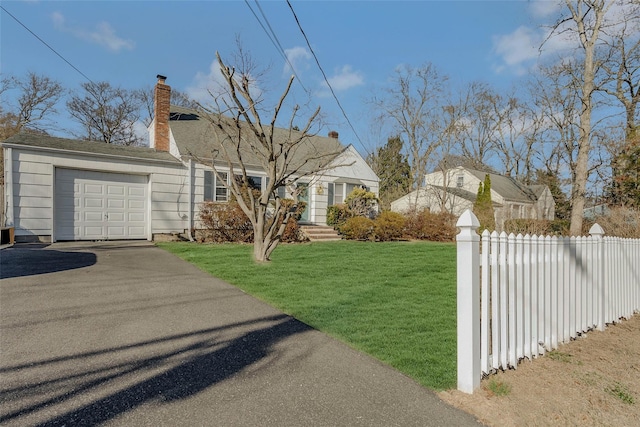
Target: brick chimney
x,y
161,103
333,134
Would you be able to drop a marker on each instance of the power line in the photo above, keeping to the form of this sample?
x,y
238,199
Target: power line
x,y
46,44
274,39
325,78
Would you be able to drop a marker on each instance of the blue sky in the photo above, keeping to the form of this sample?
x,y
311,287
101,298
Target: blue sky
x,y
359,44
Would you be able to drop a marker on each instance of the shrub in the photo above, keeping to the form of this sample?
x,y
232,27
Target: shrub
x,y
560,227
362,202
540,227
225,222
292,231
618,221
389,226
338,214
425,225
358,228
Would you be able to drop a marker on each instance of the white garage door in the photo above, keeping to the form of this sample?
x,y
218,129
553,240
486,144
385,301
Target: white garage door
x,y
100,206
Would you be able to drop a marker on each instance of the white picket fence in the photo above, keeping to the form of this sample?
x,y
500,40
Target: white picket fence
x,y
520,296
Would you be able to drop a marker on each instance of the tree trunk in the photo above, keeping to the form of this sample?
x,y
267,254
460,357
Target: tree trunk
x,y
588,84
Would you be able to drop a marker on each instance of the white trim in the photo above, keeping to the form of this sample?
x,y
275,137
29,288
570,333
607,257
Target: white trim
x,y
149,207
8,187
52,170
89,153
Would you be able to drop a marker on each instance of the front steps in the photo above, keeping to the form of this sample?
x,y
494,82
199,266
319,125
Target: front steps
x,y
320,233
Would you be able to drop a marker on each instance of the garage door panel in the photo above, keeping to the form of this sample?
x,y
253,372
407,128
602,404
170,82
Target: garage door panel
x,y
93,189
137,192
93,205
116,232
116,216
136,204
116,189
135,217
93,232
116,203
93,202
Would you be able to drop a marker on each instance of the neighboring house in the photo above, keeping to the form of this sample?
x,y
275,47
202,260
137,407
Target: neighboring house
x,y
62,189
454,190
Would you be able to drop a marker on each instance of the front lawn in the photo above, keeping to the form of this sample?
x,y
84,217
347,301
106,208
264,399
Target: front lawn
x,y
395,301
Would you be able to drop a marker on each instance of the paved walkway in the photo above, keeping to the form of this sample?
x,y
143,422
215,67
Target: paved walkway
x,y
126,334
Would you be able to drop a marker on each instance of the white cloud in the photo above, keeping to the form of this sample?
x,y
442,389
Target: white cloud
x,y
518,49
103,34
206,83
206,86
545,8
298,57
343,79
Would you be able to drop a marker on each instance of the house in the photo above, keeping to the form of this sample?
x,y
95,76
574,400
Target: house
x,y
63,189
454,190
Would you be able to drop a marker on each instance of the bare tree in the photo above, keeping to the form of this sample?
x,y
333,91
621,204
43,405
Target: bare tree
x,y
620,66
35,104
106,113
619,78
285,155
517,126
585,19
479,123
413,103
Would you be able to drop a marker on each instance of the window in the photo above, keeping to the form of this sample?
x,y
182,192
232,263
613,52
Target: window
x,y
281,191
338,194
253,182
222,193
460,182
214,189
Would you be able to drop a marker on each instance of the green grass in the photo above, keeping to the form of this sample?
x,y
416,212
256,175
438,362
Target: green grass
x,y
621,392
395,301
498,387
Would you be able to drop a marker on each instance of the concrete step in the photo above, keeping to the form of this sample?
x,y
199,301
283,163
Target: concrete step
x,y
320,233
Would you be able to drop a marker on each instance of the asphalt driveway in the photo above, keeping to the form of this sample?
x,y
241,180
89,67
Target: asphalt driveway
x,y
126,334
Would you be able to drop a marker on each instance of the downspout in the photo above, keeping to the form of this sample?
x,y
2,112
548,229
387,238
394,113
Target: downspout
x,y
190,204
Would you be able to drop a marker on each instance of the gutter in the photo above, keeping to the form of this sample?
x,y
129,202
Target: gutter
x,y
175,162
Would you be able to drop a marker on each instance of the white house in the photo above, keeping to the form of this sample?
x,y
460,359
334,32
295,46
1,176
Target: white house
x,y
62,189
454,190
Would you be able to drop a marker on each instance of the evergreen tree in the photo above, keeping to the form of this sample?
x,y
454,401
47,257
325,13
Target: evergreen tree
x,y
551,180
483,206
392,167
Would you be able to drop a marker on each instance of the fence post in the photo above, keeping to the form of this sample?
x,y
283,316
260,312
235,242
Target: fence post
x,y
597,232
468,301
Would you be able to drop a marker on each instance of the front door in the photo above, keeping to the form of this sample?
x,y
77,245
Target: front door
x,y
303,196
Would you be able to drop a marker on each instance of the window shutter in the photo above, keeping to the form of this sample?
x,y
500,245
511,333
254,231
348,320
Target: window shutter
x,y
208,186
330,201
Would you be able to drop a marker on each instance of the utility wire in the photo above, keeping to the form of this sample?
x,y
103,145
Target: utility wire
x,y
46,44
325,77
274,39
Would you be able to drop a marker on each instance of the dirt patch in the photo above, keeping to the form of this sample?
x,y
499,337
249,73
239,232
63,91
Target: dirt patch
x,y
592,381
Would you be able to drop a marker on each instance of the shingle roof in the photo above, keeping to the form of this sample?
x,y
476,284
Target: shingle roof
x,y
197,138
507,187
93,147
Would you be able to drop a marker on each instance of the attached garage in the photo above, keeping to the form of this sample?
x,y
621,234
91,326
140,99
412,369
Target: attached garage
x,y
62,189
91,205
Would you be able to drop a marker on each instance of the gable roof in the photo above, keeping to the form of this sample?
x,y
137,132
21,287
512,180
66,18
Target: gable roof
x,y
90,147
197,138
507,187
